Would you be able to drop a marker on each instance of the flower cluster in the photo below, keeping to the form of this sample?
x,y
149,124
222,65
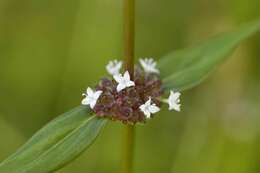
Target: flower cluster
x,y
130,100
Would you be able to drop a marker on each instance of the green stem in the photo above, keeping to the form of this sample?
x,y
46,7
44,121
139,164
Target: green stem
x,y
129,35
129,39
128,149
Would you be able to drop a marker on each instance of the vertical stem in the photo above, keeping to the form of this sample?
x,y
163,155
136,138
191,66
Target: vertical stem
x,y
129,34
128,149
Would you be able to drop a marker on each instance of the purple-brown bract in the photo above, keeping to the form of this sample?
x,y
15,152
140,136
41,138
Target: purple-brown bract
x,y
124,105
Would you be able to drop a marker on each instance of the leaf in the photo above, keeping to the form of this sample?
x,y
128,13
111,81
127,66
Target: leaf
x,y
186,68
56,144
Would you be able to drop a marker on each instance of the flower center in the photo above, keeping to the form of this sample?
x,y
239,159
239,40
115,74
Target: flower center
x,y
124,105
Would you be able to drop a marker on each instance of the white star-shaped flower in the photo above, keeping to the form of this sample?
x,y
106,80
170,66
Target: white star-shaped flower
x,y
149,65
149,108
91,97
174,100
113,67
123,81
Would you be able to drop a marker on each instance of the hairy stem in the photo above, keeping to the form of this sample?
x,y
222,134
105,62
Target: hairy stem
x,y
129,34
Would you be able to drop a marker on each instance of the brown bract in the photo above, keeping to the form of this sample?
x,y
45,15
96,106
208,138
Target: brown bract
x,y
124,105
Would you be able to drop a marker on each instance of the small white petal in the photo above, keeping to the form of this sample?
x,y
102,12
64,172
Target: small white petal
x,y
147,114
176,107
123,81
130,83
118,78
89,91
175,95
92,104
127,76
147,108
91,97
148,102
113,67
153,109
174,101
142,107
97,94
120,87
84,101
149,65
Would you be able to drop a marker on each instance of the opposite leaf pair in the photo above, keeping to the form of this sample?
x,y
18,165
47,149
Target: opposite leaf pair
x,y
64,138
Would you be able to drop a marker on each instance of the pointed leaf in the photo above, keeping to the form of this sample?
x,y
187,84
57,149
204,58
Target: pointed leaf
x,y
186,68
56,144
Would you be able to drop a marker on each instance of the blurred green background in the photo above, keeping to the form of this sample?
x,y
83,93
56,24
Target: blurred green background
x,y
51,50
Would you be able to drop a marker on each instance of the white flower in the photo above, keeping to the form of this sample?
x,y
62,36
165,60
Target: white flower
x,y
149,108
123,81
91,97
174,100
113,67
149,65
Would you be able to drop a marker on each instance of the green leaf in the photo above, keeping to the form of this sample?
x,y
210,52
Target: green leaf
x,y
186,68
56,144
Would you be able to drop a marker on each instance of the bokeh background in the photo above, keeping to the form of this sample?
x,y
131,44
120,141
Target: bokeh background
x,y
51,50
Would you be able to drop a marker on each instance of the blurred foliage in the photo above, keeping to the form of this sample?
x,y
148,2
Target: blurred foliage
x,y
50,51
